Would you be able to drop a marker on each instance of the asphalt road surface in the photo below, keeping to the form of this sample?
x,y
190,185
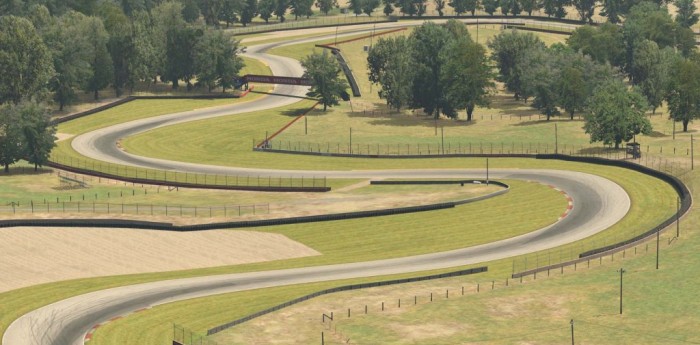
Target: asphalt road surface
x,y
598,204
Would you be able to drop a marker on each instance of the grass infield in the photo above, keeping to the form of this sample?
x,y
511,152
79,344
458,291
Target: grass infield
x,y
651,199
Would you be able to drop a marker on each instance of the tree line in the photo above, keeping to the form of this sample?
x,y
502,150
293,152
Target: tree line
x,y
55,49
611,73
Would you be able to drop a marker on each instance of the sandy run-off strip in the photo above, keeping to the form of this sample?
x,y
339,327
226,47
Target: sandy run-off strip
x,y
30,256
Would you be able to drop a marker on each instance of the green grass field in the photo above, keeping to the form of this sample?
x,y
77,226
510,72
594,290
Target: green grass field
x,y
652,201
158,320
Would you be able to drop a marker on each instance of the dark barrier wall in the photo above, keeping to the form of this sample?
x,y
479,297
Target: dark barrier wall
x,y
133,98
678,185
132,224
218,329
185,184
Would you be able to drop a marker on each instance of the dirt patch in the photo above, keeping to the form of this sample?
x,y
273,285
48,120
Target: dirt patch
x,y
425,331
63,136
30,256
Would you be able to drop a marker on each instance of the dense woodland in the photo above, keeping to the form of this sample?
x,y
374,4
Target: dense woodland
x,y
612,73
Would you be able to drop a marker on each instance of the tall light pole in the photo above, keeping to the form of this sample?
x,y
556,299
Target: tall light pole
x,y
622,271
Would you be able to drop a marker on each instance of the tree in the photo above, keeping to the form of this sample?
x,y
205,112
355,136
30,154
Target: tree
x,y
651,71
368,6
266,8
250,10
230,9
324,72
428,93
490,6
539,74
686,16
585,9
506,49
459,6
38,133
615,114
604,44
510,6
388,7
530,5
120,44
579,76
10,136
326,5
355,6
684,92
190,11
216,62
466,75
144,65
613,9
439,6
180,55
301,8
69,48
166,17
99,58
210,10
281,7
25,61
390,65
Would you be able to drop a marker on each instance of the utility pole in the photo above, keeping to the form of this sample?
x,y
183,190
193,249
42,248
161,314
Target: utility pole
x,y
622,271
657,248
442,140
487,171
306,125
572,331
692,160
556,139
350,148
678,217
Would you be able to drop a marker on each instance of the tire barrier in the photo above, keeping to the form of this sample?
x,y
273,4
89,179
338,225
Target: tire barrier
x,y
220,328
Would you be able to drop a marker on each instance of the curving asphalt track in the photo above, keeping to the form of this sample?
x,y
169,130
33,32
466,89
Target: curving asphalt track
x,y
599,203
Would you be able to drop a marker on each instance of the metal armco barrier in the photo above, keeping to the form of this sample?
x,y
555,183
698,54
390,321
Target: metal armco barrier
x,y
345,288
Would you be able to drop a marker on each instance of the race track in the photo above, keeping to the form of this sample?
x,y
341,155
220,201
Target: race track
x,y
598,204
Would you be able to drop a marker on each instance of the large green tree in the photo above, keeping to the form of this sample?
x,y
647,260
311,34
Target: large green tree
x,y
466,74
585,9
604,44
70,50
266,8
25,61
686,15
216,61
180,59
249,11
326,6
539,73
684,91
616,114
120,45
324,72
651,71
390,65
38,133
506,49
101,70
11,140
428,93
